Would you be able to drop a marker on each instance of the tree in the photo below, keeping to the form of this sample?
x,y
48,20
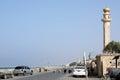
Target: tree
x,y
112,47
73,64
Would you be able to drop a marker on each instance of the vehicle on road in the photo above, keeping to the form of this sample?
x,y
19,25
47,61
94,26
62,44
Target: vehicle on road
x,y
22,70
6,72
114,73
80,71
6,75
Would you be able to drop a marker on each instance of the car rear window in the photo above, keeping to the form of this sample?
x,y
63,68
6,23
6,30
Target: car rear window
x,y
19,67
80,67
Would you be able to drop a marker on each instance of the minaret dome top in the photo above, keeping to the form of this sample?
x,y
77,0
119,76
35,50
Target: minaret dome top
x,y
106,9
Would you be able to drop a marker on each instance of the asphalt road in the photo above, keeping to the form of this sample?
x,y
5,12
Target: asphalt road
x,y
51,76
40,76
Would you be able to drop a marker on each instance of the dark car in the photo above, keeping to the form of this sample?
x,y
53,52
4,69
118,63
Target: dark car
x,y
22,70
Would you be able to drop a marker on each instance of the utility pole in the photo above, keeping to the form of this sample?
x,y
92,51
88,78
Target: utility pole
x,y
85,66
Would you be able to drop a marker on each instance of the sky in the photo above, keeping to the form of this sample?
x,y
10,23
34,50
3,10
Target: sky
x,y
53,32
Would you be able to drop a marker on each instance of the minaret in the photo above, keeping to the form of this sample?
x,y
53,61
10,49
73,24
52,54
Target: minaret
x,y
106,26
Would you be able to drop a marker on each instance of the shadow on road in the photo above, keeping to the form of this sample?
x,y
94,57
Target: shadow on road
x,y
76,76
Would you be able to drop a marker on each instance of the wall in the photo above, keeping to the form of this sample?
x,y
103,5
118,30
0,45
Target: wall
x,y
104,61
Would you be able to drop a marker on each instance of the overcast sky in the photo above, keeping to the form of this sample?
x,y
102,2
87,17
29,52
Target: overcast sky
x,y
53,32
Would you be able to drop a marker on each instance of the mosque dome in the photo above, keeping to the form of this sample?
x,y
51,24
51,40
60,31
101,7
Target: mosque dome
x,y
106,9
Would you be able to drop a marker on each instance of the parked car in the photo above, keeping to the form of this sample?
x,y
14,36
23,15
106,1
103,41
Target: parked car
x,y
113,72
6,75
80,71
22,70
6,72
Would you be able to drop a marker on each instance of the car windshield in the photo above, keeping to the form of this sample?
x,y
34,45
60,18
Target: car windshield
x,y
80,67
19,67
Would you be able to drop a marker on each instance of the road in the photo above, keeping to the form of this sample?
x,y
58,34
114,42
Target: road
x,y
51,76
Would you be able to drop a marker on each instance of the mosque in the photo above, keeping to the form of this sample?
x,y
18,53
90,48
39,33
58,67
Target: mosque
x,y
106,60
103,60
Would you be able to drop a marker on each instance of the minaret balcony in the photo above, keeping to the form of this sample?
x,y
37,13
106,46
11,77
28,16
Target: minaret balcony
x,y
106,20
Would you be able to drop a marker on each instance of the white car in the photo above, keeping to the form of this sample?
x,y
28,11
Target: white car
x,y
79,71
22,70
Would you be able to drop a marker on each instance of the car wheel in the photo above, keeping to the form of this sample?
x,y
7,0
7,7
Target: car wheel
x,y
31,72
24,73
118,77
